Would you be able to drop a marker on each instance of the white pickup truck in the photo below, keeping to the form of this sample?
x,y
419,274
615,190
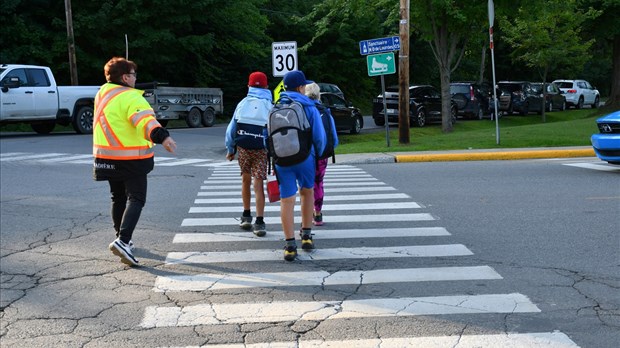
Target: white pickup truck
x,y
29,94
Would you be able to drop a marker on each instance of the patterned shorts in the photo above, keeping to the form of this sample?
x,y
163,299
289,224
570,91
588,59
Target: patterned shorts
x,y
253,162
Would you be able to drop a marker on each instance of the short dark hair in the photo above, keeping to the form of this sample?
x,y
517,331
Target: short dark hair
x,y
116,67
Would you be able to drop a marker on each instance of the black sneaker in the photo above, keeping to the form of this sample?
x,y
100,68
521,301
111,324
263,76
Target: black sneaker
x,y
260,230
123,251
246,223
317,219
290,252
306,241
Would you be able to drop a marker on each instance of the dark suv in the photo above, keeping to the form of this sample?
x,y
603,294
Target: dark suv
x,y
517,96
424,106
472,99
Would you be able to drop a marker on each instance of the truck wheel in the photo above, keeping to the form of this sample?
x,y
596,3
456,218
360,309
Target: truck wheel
x,y
83,120
379,121
193,118
208,118
43,127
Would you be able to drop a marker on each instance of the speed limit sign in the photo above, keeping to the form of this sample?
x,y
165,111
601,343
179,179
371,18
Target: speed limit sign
x,y
284,57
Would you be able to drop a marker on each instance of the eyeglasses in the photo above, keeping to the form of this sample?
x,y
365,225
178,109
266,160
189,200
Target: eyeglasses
x,y
135,74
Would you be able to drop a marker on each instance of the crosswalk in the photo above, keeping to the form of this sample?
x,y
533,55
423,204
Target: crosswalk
x,y
68,158
345,184
352,197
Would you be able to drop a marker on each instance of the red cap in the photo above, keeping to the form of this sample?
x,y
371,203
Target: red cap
x,y
258,79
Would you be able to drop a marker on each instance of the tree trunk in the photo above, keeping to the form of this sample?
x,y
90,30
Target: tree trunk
x,y
482,63
446,99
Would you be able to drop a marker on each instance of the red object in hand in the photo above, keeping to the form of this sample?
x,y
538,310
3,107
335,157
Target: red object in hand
x,y
273,189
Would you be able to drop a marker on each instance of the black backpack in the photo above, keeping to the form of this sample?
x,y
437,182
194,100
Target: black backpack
x,y
327,125
289,133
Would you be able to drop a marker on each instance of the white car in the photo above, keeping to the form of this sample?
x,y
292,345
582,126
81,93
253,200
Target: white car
x,y
579,93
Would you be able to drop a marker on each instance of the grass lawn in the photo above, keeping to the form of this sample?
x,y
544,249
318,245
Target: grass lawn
x,y
567,128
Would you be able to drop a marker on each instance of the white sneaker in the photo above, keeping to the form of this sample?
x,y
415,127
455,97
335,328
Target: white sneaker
x,y
131,246
123,251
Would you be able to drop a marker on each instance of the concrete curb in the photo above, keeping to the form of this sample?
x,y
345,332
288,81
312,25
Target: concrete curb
x,y
498,155
466,155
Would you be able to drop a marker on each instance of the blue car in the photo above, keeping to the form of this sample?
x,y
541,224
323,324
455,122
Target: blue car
x,y
606,143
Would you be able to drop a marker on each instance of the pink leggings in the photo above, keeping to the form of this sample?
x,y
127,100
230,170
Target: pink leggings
x,y
318,184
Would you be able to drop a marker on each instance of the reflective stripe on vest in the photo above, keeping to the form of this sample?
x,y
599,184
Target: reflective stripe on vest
x,y
101,120
126,153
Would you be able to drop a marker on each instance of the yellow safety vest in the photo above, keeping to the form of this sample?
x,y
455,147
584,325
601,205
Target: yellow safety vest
x,y
122,125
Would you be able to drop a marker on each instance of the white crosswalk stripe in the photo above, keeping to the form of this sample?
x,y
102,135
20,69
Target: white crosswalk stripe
x,y
351,196
273,312
332,219
331,207
59,158
216,281
255,255
215,237
596,166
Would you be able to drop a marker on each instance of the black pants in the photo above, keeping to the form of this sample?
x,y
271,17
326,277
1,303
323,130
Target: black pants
x,y
128,198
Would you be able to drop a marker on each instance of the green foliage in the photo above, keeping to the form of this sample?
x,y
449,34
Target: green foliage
x,y
332,52
217,43
553,38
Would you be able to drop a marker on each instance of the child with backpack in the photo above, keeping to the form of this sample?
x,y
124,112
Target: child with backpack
x,y
295,137
245,137
314,92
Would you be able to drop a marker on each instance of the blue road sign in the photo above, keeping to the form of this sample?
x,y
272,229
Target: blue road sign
x,y
386,44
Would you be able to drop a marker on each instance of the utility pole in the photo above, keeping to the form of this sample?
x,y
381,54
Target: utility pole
x,y
403,75
71,44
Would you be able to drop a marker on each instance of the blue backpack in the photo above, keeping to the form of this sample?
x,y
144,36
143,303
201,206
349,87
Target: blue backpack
x,y
327,125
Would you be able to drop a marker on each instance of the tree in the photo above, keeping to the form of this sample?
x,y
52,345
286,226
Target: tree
x,y
448,26
607,33
332,50
550,39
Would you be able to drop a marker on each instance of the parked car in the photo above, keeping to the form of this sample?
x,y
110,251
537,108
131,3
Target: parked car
x,y
330,88
346,116
29,94
518,96
579,93
606,142
424,106
555,99
472,99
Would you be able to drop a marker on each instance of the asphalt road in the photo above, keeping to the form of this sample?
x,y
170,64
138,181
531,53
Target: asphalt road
x,y
543,230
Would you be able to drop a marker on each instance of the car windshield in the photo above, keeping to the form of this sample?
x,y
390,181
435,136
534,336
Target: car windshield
x,y
509,87
455,89
564,84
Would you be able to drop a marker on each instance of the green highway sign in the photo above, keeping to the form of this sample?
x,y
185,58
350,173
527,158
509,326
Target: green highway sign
x,y
381,64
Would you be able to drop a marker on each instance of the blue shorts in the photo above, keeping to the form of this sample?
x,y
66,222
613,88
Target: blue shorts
x,y
301,175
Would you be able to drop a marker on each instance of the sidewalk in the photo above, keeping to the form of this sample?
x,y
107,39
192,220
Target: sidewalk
x,y
466,155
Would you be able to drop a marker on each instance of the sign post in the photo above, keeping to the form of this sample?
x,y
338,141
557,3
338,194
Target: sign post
x,y
495,103
284,56
381,64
